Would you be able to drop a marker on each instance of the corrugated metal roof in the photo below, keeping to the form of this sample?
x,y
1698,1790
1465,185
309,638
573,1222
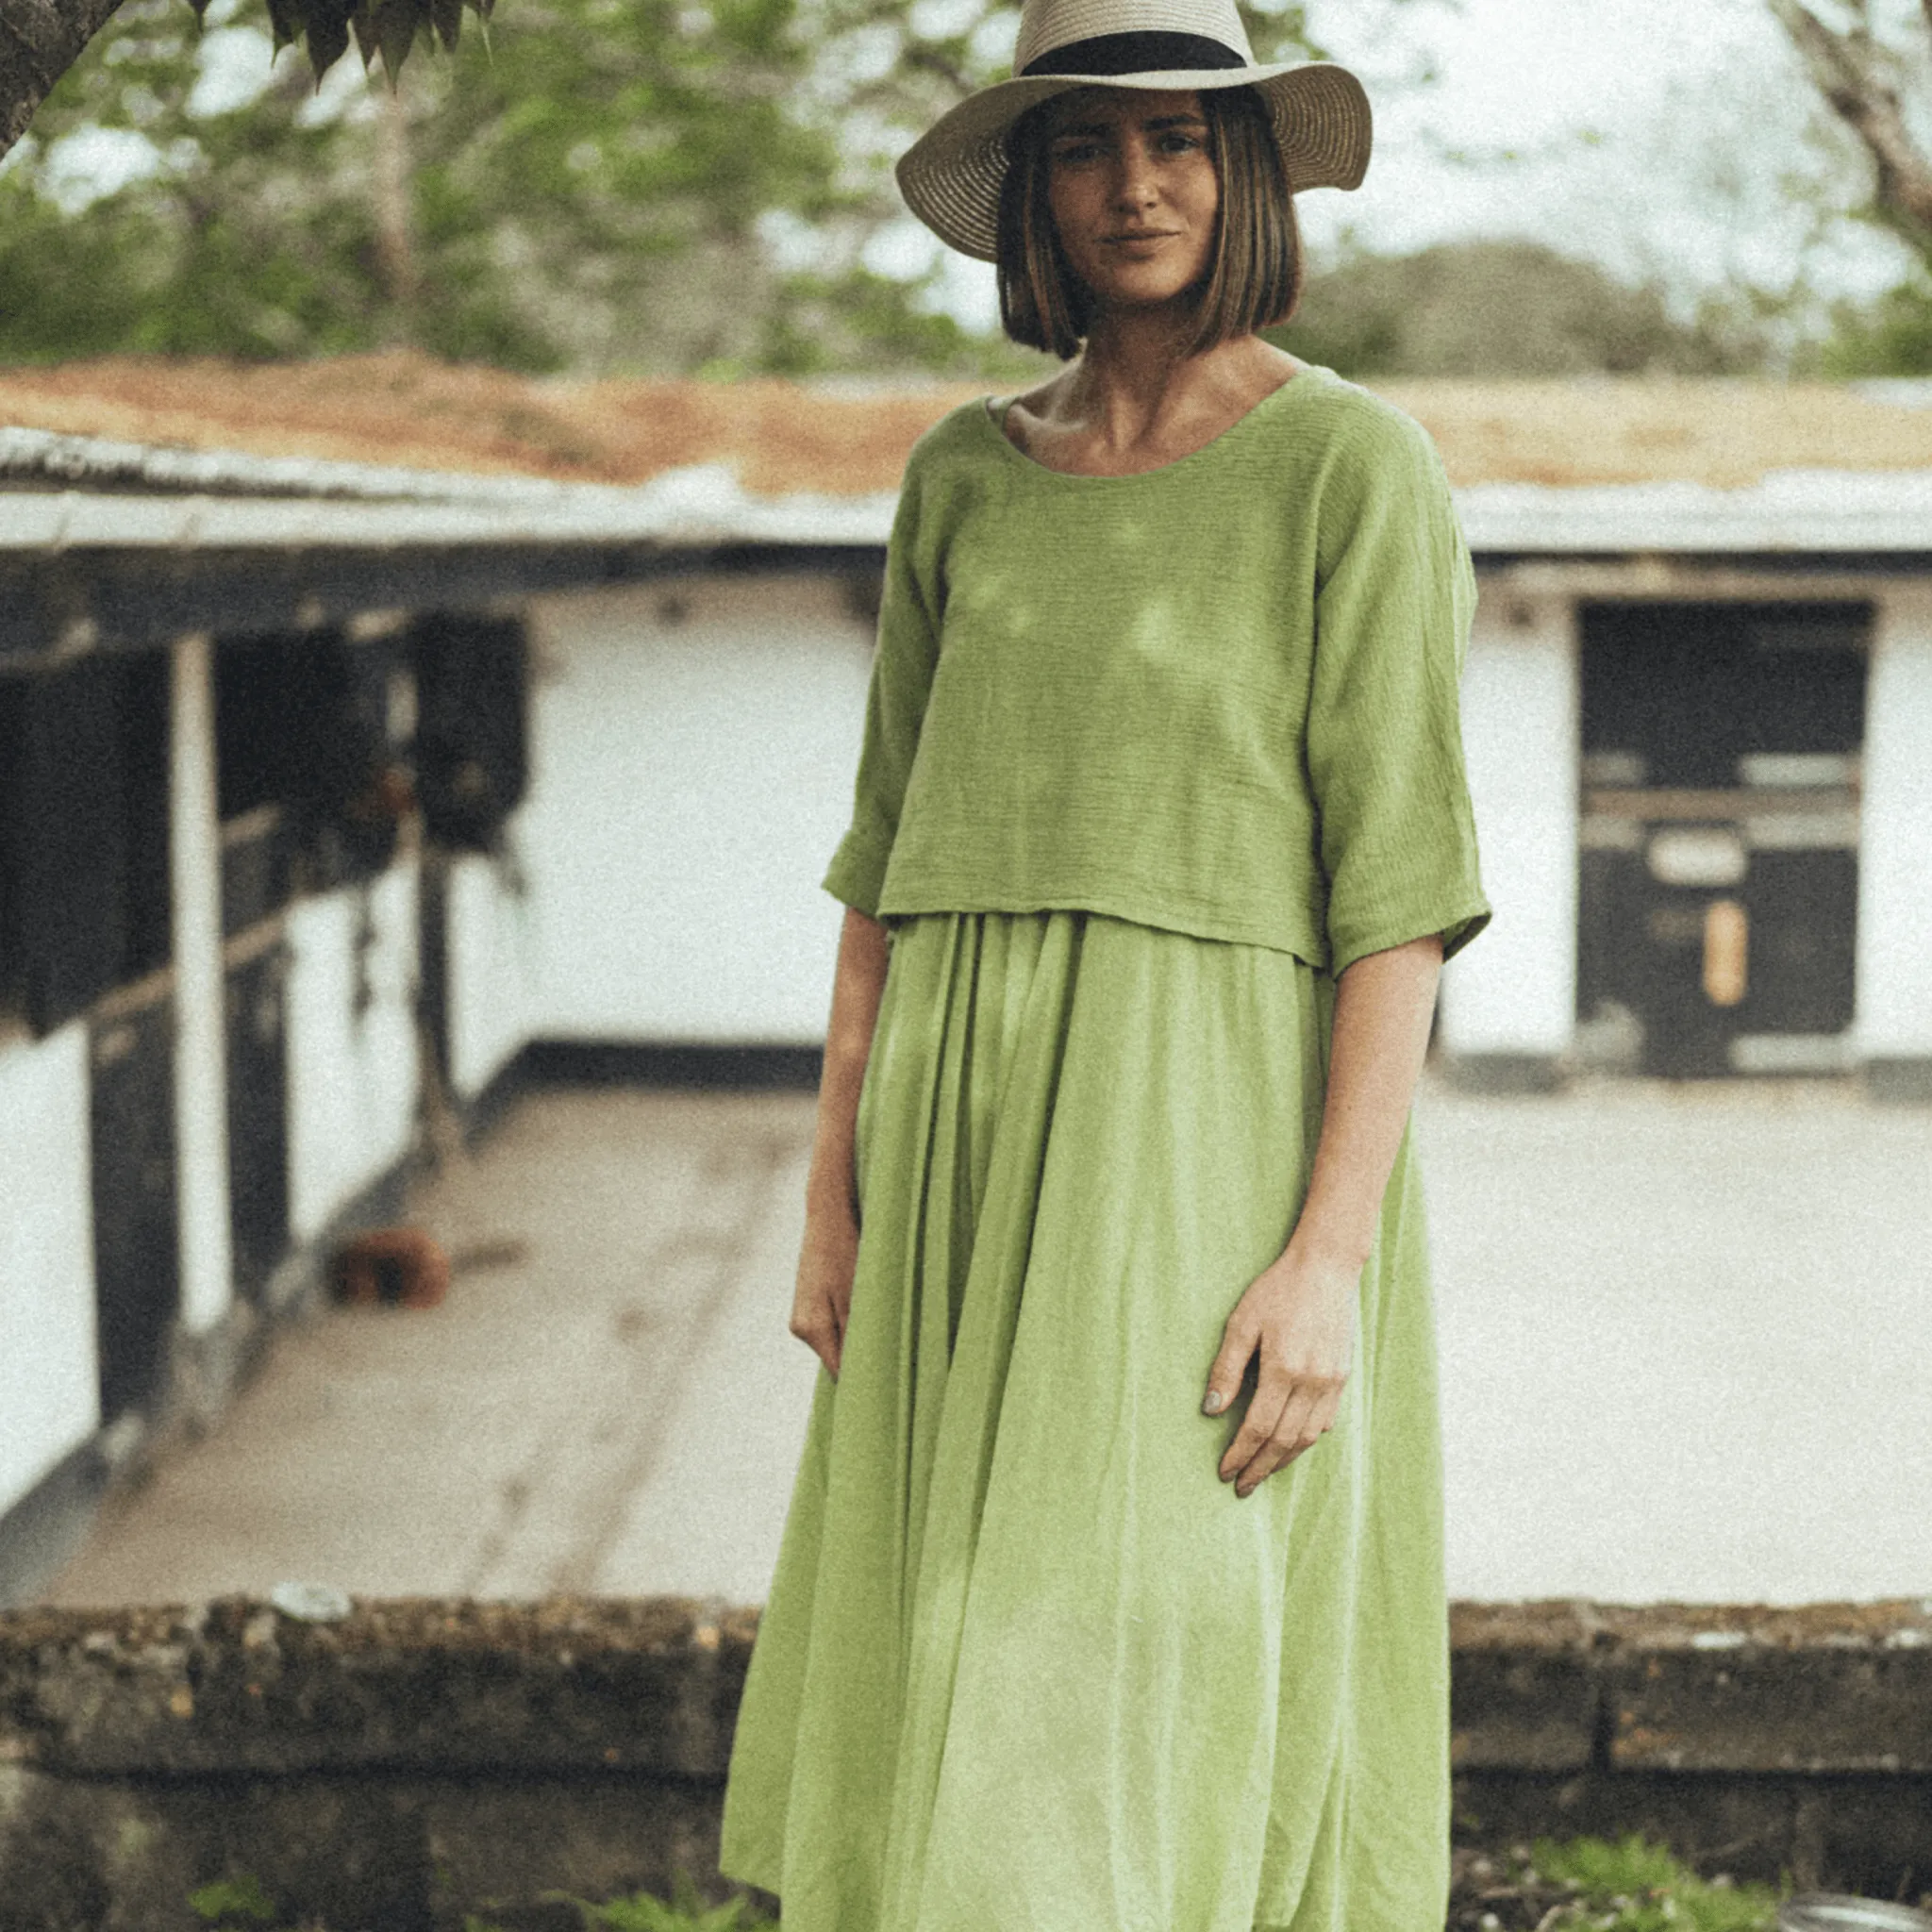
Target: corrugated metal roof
x,y
41,458
682,508
1809,513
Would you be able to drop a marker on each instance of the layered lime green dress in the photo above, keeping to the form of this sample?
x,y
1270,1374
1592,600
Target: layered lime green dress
x,y
1149,762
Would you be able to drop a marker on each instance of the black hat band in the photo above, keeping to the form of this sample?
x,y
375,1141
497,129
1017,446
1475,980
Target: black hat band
x,y
1143,50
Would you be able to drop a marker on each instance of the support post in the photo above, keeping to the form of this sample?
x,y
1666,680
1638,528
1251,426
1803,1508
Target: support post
x,y
1894,947
201,1075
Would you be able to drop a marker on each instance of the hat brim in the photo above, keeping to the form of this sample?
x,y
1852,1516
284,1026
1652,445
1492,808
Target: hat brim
x,y
950,175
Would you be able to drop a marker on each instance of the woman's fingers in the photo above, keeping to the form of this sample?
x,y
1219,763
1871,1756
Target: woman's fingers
x,y
818,1317
1295,1325
1238,1339
1272,1391
1304,1414
822,1298
1272,1444
1292,1434
819,1334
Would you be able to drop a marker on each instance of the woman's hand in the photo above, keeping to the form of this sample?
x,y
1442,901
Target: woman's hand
x,y
830,1254
823,1298
1299,1315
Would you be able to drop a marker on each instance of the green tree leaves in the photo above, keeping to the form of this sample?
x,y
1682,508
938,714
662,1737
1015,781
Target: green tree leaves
x,y
586,198
1483,308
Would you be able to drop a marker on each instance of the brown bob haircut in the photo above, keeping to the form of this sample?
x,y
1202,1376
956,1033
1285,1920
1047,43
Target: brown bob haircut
x,y
1254,275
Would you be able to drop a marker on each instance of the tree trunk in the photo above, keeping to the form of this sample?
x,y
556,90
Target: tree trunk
x,y
395,240
1850,70
40,40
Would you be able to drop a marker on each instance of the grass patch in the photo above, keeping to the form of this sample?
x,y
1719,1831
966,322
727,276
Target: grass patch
x,y
1632,1886
685,1912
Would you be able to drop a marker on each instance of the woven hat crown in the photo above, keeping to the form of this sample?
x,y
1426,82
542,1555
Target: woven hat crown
x,y
1045,25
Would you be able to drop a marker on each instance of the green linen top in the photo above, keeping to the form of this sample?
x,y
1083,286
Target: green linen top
x,y
1218,697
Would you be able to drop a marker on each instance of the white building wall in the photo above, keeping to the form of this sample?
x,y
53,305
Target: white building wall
x,y
1514,990
353,1079
1894,969
49,1396
494,967
692,753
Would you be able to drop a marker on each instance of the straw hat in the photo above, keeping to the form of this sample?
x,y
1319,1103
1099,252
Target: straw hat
x,y
950,175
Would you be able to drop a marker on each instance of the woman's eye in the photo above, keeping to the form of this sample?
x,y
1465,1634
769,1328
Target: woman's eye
x,y
1077,150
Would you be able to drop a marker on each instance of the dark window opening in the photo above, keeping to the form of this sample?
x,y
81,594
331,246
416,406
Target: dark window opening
x,y
1684,691
311,780
471,734
84,886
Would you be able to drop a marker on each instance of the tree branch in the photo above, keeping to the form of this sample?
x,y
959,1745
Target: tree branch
x,y
924,59
40,40
1848,69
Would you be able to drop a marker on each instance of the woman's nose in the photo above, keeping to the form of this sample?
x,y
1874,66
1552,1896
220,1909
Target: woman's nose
x,y
1134,186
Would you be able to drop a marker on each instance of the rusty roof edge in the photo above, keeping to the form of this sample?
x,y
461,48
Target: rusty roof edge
x,y
90,493
681,509
101,463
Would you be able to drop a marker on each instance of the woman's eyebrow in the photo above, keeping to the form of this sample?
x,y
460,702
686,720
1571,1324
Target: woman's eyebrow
x,y
1161,121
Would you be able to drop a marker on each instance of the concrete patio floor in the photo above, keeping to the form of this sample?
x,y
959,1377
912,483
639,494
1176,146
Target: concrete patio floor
x,y
1685,1338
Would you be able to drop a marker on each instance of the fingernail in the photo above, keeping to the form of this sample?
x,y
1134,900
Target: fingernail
x,y
1214,1403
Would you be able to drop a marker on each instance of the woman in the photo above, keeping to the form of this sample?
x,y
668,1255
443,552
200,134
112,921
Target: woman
x,y
1111,1598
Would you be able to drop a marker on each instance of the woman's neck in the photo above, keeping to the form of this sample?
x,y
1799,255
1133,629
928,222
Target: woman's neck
x,y
1135,384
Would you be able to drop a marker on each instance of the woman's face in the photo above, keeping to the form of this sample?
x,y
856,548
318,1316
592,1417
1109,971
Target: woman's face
x,y
1133,193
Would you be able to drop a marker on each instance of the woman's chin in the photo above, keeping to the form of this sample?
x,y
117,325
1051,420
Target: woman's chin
x,y
1143,295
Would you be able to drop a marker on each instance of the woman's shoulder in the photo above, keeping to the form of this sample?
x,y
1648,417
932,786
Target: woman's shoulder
x,y
960,436
1352,422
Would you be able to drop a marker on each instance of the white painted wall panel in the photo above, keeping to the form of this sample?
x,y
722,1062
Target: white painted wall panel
x,y
692,757
1514,990
352,1079
1894,982
49,1399
494,965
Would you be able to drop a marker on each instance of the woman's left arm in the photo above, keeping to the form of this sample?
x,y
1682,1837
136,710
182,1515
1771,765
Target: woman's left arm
x,y
1299,1311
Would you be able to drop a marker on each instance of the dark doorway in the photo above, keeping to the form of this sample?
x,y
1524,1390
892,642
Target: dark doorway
x,y
1718,887
257,1108
135,1233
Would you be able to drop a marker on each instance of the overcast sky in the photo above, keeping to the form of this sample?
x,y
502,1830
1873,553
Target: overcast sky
x,y
1651,135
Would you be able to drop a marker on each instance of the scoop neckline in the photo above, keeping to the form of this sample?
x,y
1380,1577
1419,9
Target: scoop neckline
x,y
993,419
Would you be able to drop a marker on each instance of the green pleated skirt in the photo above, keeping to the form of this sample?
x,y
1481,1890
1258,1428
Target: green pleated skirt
x,y
1027,1664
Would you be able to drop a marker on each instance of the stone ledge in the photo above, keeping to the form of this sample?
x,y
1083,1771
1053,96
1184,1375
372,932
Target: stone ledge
x,y
652,1685
1819,1688
422,1760
235,1687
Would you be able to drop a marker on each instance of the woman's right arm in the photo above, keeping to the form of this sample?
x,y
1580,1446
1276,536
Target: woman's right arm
x,y
830,1252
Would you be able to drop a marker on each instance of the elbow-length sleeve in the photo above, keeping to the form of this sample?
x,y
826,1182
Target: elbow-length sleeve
x,y
1396,596
904,657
